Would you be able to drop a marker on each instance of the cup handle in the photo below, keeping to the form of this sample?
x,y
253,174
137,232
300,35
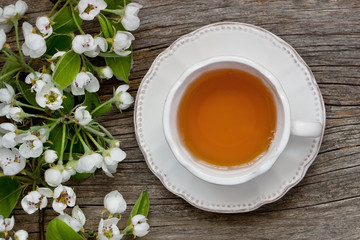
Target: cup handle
x,y
306,129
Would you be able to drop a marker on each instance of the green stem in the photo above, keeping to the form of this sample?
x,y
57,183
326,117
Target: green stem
x,y
16,24
85,139
10,73
34,129
95,142
23,178
8,59
52,127
54,8
86,147
105,131
60,162
7,54
93,131
43,182
38,167
111,100
29,106
40,116
71,148
75,20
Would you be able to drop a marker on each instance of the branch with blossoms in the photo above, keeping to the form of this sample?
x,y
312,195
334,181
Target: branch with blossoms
x,y
48,93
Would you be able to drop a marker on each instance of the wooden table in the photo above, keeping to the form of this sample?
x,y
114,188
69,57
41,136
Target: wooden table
x,y
324,205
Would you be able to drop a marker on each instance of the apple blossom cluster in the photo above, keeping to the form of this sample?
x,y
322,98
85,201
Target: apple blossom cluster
x,y
49,95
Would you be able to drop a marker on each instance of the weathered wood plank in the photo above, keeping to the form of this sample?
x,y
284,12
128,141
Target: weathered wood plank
x,y
325,205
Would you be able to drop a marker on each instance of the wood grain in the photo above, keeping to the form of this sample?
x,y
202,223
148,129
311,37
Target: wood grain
x,y
325,205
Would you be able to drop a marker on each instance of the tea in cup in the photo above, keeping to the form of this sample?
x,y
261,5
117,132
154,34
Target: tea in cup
x,y
227,120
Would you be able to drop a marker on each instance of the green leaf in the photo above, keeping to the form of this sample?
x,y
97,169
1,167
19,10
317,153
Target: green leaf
x,y
114,4
121,66
64,22
68,102
58,42
55,137
92,100
9,194
9,69
58,230
66,69
26,93
81,176
141,206
106,27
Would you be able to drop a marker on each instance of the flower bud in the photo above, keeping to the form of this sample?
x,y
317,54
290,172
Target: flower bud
x,y
17,114
105,72
123,98
114,202
53,177
50,156
21,235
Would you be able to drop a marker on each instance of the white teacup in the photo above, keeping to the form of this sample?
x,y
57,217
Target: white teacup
x,y
243,173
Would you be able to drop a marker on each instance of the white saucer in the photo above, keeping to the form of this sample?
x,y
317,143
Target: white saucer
x,y
262,47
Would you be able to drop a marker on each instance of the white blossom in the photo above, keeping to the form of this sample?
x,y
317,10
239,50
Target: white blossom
x,y
123,98
105,72
6,97
82,116
50,97
131,21
50,156
114,202
6,224
35,200
34,45
83,43
108,229
76,221
63,197
16,114
89,163
2,38
11,161
42,133
141,227
8,139
101,45
57,175
21,235
44,26
122,41
111,159
21,7
38,81
32,147
66,174
55,58
89,9
7,94
84,81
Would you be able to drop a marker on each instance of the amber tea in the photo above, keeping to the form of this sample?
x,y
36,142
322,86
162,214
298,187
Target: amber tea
x,y
227,117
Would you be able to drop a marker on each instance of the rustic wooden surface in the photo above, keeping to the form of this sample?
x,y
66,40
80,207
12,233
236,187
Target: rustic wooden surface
x,y
325,205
